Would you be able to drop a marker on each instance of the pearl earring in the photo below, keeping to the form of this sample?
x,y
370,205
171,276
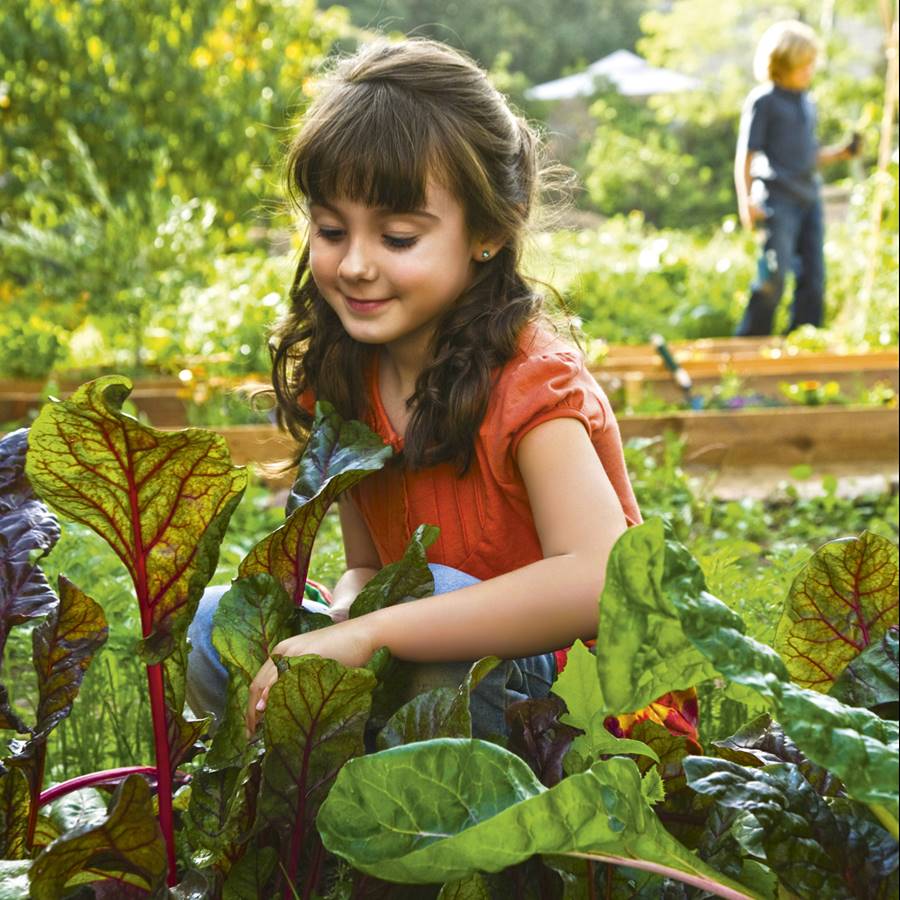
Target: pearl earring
x,y
485,254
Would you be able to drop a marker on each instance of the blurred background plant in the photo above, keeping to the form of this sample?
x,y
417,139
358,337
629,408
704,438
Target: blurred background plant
x,y
142,223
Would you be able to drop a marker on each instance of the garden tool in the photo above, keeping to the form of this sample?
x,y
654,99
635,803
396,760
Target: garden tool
x,y
682,379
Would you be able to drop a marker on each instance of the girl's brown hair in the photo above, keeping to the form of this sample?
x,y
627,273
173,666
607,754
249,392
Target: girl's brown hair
x,y
385,121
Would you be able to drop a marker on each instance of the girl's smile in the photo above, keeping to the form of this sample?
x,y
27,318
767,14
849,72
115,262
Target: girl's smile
x,y
390,276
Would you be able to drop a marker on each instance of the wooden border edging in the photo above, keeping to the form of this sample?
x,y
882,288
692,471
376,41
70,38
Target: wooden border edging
x,y
779,437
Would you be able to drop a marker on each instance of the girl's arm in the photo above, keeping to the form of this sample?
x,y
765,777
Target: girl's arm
x,y
542,606
361,560
537,608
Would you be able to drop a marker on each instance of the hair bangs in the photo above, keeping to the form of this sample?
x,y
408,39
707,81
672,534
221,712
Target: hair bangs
x,y
373,148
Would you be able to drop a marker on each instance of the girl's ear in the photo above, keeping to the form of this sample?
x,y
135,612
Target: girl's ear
x,y
485,250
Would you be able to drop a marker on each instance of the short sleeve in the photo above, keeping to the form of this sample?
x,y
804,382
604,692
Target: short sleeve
x,y
552,384
754,123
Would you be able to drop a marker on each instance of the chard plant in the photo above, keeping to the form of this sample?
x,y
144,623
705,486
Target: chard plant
x,y
801,801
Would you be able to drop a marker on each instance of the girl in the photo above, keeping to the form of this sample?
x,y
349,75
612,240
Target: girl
x,y
409,312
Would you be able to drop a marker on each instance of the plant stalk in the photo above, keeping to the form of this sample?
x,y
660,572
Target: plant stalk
x,y
95,779
163,765
715,888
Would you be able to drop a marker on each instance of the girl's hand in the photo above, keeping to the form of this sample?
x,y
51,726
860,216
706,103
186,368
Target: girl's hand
x,y
350,643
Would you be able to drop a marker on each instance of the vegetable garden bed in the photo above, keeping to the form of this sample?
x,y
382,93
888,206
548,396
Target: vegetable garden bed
x,y
761,364
753,437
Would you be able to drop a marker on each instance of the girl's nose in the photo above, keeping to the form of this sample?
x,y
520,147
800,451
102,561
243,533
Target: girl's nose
x,y
357,263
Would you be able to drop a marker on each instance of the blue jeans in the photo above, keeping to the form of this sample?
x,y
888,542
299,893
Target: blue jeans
x,y
795,236
512,680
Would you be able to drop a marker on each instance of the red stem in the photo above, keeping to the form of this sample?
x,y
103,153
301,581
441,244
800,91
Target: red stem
x,y
315,868
37,780
94,779
163,765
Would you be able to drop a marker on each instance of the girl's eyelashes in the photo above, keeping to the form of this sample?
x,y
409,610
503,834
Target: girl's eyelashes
x,y
392,241
400,243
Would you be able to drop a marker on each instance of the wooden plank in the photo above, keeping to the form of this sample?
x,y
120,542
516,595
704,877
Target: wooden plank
x,y
785,437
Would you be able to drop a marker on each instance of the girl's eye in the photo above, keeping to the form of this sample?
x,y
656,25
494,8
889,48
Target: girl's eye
x,y
399,243
330,234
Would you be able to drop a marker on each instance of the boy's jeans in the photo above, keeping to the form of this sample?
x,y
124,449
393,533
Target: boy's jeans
x,y
794,241
512,680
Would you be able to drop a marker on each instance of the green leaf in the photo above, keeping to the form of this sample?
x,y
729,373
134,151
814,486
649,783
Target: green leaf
x,y
128,844
337,456
314,722
578,686
871,680
440,712
162,500
803,841
219,813
15,803
855,745
408,578
653,789
841,602
762,742
14,879
645,651
441,810
253,616
250,876
472,888
64,646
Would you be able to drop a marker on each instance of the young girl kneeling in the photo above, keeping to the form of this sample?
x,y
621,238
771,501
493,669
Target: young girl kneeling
x,y
409,312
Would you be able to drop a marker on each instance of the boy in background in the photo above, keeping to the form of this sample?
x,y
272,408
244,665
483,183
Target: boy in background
x,y
775,174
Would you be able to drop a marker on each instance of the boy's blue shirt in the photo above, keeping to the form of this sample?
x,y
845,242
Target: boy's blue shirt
x,y
780,125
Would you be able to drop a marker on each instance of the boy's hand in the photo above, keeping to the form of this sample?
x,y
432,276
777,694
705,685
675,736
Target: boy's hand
x,y
752,215
350,643
853,147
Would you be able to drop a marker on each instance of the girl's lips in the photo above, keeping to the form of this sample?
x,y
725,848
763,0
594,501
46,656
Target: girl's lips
x,y
366,306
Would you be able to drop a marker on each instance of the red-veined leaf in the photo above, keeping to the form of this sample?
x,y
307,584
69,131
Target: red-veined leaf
x,y
843,600
128,844
339,455
162,500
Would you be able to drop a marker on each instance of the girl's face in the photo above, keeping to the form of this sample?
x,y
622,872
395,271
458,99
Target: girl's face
x,y
390,276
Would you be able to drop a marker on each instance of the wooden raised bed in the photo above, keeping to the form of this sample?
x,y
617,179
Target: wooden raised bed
x,y
162,400
755,437
762,366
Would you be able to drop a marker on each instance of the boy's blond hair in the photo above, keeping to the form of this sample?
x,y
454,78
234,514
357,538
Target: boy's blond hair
x,y
785,46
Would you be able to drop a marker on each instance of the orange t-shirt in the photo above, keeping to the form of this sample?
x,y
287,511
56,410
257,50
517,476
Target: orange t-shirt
x,y
485,521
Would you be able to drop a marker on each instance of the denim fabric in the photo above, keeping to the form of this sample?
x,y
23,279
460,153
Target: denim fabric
x,y
510,681
794,242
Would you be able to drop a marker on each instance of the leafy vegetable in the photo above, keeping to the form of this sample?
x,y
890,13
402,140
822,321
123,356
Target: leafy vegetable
x,y
64,646
28,532
442,809
796,831
162,500
407,579
842,602
440,712
339,454
128,845
649,654
314,722
252,617
577,685
871,680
